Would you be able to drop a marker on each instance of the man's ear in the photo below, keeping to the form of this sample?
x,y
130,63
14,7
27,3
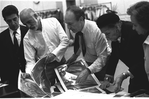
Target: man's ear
x,y
35,15
118,25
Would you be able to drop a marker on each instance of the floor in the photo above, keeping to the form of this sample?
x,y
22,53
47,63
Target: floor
x,y
121,67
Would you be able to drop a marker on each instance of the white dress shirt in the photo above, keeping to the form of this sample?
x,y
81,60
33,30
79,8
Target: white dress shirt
x,y
52,39
97,47
146,55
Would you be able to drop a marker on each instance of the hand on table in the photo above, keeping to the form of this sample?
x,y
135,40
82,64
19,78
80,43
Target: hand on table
x,y
117,83
104,84
83,76
26,75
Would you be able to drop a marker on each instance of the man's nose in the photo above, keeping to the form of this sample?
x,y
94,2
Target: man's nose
x,y
68,26
28,25
13,22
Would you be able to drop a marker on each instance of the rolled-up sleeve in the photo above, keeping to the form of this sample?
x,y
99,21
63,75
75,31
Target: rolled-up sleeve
x,y
59,51
146,52
103,50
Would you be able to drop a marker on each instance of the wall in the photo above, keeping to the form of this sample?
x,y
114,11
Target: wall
x,y
21,4
118,5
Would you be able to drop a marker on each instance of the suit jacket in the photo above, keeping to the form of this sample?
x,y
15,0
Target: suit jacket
x,y
10,62
130,51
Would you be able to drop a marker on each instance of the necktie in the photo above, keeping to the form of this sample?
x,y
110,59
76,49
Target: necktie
x,y
15,41
77,45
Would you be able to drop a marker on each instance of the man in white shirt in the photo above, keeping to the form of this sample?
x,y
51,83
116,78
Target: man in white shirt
x,y
96,48
45,38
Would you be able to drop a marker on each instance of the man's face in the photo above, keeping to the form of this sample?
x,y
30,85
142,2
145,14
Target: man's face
x,y
30,21
112,33
71,22
12,21
137,27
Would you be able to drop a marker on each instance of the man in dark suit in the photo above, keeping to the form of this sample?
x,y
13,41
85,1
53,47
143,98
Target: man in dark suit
x,y
126,46
11,51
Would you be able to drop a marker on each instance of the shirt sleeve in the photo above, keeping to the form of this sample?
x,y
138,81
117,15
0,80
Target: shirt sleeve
x,y
146,51
103,50
64,41
29,53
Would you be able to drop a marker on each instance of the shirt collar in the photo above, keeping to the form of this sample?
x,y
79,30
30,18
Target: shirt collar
x,y
147,40
119,39
84,27
18,31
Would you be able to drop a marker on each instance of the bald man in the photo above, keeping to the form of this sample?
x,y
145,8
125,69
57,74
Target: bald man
x,y
45,38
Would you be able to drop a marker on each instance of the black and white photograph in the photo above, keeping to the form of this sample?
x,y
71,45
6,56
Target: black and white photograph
x,y
76,49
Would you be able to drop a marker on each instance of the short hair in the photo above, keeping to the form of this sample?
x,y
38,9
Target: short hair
x,y
108,19
140,11
78,12
9,10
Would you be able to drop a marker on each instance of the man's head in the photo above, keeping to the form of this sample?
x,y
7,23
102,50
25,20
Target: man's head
x,y
29,18
110,25
74,18
11,17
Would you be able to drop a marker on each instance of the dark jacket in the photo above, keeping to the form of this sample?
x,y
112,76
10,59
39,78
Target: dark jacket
x,y
11,62
130,52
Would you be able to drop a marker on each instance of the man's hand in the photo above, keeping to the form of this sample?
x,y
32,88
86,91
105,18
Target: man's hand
x,y
50,58
26,75
117,83
108,79
83,76
104,84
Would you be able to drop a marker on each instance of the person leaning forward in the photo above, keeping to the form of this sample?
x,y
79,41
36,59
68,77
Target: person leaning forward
x,y
45,38
89,40
127,47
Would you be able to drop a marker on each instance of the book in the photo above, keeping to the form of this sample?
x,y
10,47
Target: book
x,y
39,75
36,84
